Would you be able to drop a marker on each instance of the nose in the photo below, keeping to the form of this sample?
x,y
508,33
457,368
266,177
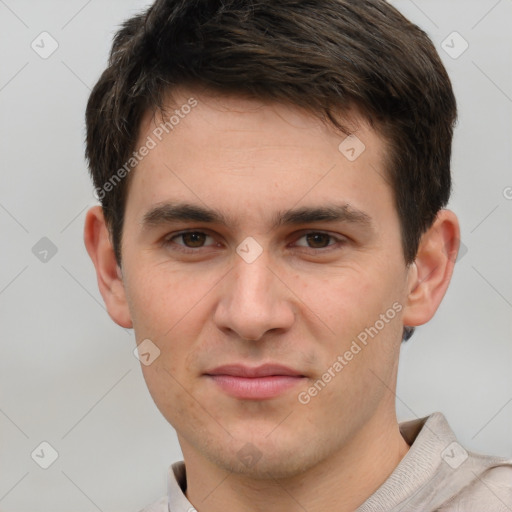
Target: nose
x,y
254,300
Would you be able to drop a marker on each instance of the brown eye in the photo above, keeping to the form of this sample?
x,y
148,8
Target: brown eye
x,y
188,241
194,239
318,240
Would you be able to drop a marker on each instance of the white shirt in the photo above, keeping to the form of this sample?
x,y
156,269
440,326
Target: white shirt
x,y
436,475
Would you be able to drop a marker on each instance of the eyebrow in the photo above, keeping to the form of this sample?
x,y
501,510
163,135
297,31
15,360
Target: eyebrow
x,y
168,212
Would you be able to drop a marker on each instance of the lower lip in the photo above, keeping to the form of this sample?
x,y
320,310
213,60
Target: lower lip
x,y
256,388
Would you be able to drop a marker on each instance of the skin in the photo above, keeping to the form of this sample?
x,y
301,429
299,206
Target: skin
x,y
301,303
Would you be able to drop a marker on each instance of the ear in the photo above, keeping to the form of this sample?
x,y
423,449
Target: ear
x,y
110,281
431,272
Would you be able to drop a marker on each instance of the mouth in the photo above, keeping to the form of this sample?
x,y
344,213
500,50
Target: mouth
x,y
259,383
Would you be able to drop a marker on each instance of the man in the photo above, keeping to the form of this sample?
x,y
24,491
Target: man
x,y
272,178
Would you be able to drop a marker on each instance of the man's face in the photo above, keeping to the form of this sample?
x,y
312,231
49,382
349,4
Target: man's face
x,y
254,292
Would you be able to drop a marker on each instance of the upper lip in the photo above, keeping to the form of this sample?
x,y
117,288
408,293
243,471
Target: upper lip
x,y
265,370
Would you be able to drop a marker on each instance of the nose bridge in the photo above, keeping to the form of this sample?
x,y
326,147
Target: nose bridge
x,y
252,281
253,278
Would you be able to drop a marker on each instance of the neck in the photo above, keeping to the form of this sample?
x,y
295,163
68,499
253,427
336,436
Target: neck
x,y
342,482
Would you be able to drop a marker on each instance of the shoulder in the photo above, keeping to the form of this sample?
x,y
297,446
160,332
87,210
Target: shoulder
x,y
490,489
495,481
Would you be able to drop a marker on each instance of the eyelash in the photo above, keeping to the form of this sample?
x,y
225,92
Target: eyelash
x,y
188,250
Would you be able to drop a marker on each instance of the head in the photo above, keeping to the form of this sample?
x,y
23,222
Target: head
x,y
306,150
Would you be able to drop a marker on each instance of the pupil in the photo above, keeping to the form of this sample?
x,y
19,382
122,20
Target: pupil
x,y
318,237
196,239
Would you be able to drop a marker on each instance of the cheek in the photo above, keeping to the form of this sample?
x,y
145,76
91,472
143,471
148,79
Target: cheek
x,y
167,390
164,302
347,302
363,313
170,309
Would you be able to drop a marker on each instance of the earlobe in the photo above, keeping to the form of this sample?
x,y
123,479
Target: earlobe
x,y
430,274
109,275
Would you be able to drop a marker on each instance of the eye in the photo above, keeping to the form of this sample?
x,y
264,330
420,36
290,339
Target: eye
x,y
191,240
319,240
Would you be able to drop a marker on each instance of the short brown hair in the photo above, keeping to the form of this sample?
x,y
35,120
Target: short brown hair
x,y
325,56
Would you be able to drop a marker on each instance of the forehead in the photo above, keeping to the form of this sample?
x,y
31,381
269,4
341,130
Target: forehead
x,y
217,150
204,112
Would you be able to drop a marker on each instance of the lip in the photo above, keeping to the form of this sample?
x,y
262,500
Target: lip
x,y
265,370
255,383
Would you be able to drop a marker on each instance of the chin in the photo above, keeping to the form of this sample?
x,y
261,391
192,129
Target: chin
x,y
263,460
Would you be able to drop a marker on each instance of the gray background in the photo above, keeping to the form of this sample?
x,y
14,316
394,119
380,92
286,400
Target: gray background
x,y
67,372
